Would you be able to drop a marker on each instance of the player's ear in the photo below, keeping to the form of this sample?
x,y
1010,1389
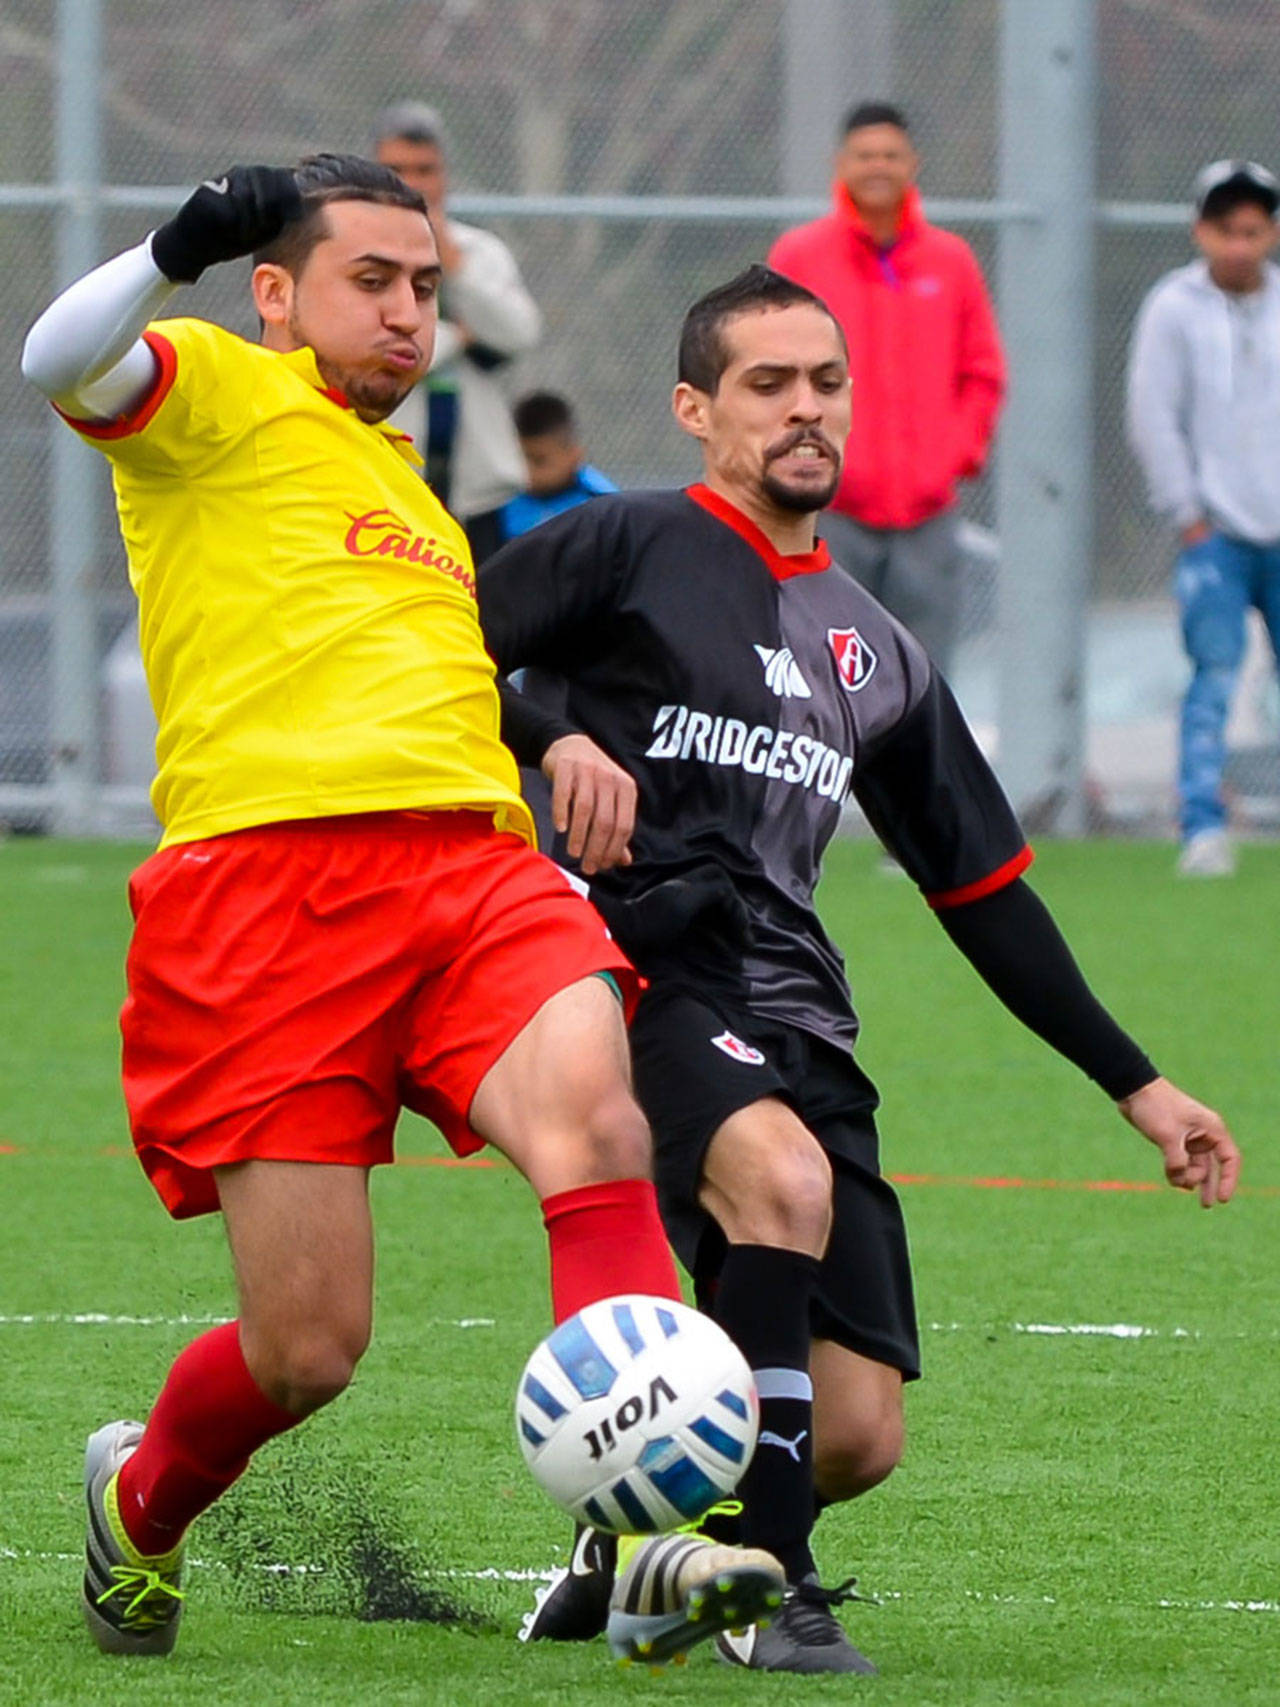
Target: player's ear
x,y
272,295
689,406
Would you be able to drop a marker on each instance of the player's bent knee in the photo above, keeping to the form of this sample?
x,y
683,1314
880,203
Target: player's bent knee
x,y
615,1143
304,1371
780,1198
864,1454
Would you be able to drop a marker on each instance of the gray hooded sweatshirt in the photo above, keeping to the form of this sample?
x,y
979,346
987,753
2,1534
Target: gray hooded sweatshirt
x,y
1204,402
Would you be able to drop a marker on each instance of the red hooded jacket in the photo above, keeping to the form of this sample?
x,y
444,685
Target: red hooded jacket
x,y
928,371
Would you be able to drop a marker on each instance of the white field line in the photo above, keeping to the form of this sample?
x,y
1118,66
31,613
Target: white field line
x,y
532,1575
96,1319
1097,1330
1103,1330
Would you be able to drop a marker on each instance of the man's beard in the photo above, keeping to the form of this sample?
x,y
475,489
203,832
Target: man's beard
x,y
802,501
373,396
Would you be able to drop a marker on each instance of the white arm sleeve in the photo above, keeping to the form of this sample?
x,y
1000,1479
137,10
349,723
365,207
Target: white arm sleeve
x,y
85,352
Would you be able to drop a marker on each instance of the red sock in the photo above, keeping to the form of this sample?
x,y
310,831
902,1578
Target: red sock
x,y
210,1417
606,1239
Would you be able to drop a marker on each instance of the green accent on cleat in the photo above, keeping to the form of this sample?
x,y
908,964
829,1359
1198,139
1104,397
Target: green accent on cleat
x,y
678,1590
132,1602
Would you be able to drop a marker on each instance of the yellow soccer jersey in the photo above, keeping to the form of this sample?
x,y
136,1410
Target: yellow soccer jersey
x,y
307,606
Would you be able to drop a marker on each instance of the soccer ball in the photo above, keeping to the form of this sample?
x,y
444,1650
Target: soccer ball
x,y
637,1414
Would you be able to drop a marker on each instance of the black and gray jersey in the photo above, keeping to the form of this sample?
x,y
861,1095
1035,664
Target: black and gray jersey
x,y
749,694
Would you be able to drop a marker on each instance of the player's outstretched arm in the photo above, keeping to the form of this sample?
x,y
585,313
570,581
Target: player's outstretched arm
x,y
85,352
1199,1153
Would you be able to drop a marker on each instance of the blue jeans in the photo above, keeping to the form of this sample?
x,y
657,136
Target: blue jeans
x,y
1216,583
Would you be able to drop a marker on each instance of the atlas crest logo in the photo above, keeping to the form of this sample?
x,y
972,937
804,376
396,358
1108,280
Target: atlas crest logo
x,y
737,1050
855,660
381,533
782,673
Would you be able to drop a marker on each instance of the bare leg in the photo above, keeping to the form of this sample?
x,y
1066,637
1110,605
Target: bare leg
x,y
558,1102
302,1242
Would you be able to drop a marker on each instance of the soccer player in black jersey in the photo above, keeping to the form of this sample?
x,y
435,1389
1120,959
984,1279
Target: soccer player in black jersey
x,y
702,644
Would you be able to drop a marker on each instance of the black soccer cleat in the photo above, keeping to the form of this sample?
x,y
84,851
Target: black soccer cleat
x,y
805,1636
574,1605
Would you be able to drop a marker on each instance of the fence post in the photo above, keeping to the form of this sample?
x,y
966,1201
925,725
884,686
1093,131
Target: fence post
x,y
835,53
75,473
1044,468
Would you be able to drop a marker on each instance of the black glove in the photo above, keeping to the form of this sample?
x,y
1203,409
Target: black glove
x,y
699,911
227,217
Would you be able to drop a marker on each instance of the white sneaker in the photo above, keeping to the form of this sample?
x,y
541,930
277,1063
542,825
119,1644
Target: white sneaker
x,y
1209,853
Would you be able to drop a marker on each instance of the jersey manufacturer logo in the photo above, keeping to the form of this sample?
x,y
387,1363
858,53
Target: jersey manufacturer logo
x,y
782,673
855,660
219,186
737,1050
381,533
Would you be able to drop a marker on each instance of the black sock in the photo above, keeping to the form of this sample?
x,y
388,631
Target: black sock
x,y
762,1303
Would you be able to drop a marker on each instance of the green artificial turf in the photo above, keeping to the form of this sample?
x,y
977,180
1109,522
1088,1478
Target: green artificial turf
x,y
1080,1518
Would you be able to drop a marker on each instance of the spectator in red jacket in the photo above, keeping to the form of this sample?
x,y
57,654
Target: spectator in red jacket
x,y
928,373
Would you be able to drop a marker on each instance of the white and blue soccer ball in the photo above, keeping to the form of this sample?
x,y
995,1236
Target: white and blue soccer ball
x,y
637,1414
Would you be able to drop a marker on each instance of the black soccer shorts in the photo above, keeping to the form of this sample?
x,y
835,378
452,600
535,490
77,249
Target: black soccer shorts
x,y
696,1062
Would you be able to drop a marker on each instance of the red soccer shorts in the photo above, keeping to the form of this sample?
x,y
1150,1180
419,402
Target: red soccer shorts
x,y
292,986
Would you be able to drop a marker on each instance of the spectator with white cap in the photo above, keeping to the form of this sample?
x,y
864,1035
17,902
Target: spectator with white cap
x,y
1204,422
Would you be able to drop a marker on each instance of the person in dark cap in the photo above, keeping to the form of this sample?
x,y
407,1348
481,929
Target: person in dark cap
x,y
1204,422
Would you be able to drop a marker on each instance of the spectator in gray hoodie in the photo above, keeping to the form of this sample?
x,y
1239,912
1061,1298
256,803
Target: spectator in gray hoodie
x,y
1204,421
461,418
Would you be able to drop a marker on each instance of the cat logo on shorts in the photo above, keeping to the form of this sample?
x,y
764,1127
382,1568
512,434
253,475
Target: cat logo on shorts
x,y
855,660
737,1050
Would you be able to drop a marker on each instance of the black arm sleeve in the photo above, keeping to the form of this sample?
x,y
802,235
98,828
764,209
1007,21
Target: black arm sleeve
x,y
1011,941
527,728
548,598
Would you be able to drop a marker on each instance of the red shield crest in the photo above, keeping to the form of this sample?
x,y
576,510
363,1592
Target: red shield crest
x,y
855,660
737,1050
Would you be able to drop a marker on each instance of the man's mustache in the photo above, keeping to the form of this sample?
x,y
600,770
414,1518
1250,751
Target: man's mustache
x,y
802,436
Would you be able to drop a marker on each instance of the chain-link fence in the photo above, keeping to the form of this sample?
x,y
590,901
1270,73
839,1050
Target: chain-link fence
x,y
632,153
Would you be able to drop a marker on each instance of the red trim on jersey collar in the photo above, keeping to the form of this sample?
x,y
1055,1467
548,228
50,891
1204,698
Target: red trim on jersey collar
x,y
780,566
137,417
1000,878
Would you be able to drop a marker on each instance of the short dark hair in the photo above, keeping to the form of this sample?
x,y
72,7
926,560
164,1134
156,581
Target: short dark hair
x,y
540,412
704,354
867,113
325,178
1222,202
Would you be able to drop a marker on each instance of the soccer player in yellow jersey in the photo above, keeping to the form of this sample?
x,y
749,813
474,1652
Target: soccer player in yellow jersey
x,y
344,915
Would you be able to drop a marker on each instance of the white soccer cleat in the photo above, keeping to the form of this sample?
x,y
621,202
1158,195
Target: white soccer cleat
x,y
132,1603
